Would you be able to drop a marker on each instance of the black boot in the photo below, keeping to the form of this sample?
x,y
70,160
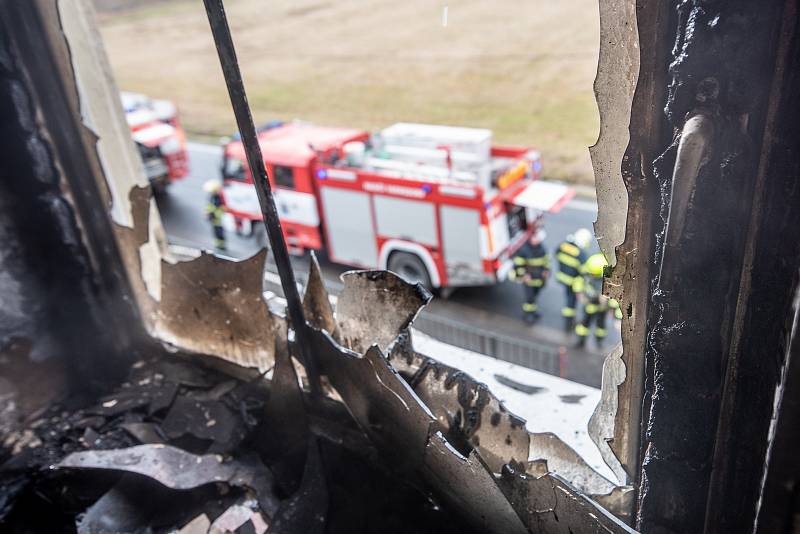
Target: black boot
x,y
530,317
581,342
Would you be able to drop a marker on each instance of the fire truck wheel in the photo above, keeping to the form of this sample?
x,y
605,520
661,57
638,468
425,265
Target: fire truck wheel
x,y
409,267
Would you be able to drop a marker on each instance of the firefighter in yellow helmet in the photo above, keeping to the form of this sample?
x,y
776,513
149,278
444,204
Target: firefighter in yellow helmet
x,y
589,286
214,212
531,269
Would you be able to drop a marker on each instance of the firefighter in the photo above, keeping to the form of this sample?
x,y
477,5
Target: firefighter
x,y
571,255
215,211
589,285
531,269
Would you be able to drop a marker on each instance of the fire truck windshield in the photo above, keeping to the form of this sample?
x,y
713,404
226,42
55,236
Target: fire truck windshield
x,y
233,169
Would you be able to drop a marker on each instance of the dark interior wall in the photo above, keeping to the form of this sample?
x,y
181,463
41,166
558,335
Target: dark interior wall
x,y
60,302
721,65
764,315
45,272
23,280
778,509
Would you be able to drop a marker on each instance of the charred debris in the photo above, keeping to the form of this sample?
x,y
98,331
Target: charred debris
x,y
410,445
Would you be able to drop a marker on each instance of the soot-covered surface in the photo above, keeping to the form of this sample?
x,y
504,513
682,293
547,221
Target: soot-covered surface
x,y
719,69
174,411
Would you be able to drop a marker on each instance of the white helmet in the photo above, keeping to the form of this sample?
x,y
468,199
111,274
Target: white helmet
x,y
212,186
583,237
539,236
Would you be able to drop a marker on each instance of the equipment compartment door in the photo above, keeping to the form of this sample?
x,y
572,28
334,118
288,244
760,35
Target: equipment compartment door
x,y
461,239
348,219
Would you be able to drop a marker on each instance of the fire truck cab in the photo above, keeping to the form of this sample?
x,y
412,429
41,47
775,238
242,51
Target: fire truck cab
x,y
159,137
436,204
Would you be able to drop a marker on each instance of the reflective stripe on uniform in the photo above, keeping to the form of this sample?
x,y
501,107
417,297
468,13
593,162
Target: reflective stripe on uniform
x,y
617,313
565,278
534,282
570,249
570,261
529,307
600,332
581,330
579,284
541,261
519,260
591,309
567,312
215,214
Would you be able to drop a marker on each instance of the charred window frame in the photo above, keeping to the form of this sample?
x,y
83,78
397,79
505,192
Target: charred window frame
x,y
638,372
165,292
173,310
694,348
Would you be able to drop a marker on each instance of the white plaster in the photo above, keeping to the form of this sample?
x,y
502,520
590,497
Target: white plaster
x,y
100,106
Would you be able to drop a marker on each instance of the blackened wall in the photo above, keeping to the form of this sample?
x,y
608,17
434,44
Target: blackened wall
x,y
722,61
764,315
53,296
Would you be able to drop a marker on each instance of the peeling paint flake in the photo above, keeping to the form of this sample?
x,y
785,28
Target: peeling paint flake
x,y
614,86
100,107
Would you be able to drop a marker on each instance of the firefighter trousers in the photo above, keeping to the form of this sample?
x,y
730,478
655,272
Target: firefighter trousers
x,y
593,313
219,236
568,311
531,296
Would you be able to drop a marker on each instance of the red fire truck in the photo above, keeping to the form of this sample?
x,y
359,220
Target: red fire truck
x,y
158,136
440,205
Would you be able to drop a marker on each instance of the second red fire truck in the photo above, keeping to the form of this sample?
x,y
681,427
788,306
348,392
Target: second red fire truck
x,y
159,137
441,205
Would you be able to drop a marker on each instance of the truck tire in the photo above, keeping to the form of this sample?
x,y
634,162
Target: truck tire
x,y
410,268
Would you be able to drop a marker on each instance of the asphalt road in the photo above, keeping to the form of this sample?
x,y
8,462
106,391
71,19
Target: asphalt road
x,y
496,308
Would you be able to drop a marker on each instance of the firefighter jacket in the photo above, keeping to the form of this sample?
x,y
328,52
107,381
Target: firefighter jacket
x,y
214,210
570,259
531,265
590,285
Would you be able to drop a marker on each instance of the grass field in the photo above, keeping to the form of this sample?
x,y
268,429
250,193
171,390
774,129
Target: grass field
x,y
523,68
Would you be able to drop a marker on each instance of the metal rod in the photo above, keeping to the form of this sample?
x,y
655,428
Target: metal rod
x,y
233,79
